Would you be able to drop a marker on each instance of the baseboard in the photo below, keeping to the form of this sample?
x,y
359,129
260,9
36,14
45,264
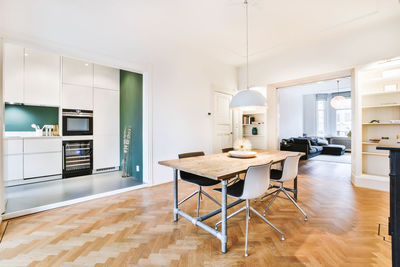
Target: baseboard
x,y
371,181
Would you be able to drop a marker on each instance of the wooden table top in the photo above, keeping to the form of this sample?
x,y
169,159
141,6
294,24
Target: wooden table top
x,y
222,166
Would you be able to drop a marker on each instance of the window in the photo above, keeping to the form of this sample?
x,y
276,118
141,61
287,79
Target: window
x,y
343,119
321,117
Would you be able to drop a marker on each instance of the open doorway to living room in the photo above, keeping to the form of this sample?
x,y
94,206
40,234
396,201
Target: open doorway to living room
x,y
315,118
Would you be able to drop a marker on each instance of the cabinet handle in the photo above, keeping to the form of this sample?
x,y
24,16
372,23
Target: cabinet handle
x,y
63,156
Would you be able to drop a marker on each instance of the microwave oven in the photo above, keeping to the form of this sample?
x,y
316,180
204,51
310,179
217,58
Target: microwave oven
x,y
77,122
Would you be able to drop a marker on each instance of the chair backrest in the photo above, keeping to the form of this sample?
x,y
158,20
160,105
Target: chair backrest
x,y
290,168
191,154
256,181
224,150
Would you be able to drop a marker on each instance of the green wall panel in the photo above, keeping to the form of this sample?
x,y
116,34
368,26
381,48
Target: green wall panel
x,y
20,117
131,114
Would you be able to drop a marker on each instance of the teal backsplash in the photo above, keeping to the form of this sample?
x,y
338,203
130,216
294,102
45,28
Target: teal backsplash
x,y
20,117
131,95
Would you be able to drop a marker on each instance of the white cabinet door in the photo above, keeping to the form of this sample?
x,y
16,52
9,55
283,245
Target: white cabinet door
x,y
13,167
77,97
106,77
106,149
13,73
42,78
42,145
77,72
13,146
105,112
44,164
106,145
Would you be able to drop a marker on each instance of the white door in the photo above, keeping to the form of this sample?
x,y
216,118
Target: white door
x,y
222,122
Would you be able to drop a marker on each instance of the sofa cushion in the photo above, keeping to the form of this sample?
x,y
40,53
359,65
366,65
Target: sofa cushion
x,y
314,141
312,150
318,148
302,140
322,142
333,149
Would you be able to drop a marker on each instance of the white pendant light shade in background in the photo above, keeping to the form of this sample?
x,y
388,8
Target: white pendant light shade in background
x,y
338,102
249,100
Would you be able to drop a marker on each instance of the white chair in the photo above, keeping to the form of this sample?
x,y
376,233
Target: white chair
x,y
255,184
289,173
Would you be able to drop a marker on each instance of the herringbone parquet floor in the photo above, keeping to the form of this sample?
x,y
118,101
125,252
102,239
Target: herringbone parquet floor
x,y
136,229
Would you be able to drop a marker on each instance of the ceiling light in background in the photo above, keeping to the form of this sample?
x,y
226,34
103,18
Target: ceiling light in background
x,y
248,99
338,101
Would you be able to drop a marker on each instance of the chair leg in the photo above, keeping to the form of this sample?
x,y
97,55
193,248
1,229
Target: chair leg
x,y
297,205
230,216
210,197
186,198
268,222
269,194
247,225
272,200
198,202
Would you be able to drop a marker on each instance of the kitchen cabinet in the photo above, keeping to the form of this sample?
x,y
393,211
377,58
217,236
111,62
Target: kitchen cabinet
x,y
13,159
77,72
42,157
42,164
77,97
106,143
13,167
42,78
13,73
106,77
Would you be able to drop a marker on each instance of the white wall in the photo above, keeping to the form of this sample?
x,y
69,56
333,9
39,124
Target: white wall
x,y
183,97
373,42
309,115
290,113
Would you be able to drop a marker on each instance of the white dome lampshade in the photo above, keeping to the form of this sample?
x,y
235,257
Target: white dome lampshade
x,y
248,100
338,102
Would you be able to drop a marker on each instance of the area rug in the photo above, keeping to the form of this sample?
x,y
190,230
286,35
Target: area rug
x,y
345,158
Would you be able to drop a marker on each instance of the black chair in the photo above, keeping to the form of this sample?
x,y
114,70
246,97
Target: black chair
x,y
225,150
200,181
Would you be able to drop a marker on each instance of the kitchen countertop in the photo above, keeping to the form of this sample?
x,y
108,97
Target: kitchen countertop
x,y
24,135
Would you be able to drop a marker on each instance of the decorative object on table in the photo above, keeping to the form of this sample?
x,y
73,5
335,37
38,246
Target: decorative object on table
x,y
252,120
126,148
248,99
242,154
38,131
254,131
375,121
242,144
56,130
374,140
338,101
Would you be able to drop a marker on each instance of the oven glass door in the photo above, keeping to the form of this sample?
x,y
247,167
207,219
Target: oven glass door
x,y
77,125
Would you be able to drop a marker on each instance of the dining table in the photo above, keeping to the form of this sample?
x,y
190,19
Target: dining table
x,y
220,167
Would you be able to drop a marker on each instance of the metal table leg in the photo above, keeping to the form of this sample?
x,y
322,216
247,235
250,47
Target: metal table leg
x,y
175,195
224,236
295,188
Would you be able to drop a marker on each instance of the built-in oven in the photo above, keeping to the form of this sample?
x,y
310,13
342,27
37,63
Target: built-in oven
x,y
77,158
77,122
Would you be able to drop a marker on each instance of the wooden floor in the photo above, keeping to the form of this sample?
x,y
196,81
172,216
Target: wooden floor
x,y
136,229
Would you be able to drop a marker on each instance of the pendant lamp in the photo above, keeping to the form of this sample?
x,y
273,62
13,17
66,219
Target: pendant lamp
x,y
338,101
248,99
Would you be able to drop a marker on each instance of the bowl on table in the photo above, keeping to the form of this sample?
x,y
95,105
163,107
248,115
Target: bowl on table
x,y
242,154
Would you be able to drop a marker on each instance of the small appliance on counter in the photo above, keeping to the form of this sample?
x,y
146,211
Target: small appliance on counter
x,y
77,158
77,122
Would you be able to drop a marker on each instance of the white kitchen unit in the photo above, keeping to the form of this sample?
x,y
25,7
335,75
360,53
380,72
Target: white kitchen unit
x,y
13,73
42,157
77,97
106,132
77,72
42,78
106,77
13,159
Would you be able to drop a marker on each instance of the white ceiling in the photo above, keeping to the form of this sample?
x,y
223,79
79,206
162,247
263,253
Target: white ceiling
x,y
213,27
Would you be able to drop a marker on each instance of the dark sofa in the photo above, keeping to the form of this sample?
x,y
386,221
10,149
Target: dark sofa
x,y
311,147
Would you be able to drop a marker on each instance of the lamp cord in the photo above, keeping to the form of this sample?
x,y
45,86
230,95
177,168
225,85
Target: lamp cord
x,y
247,43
